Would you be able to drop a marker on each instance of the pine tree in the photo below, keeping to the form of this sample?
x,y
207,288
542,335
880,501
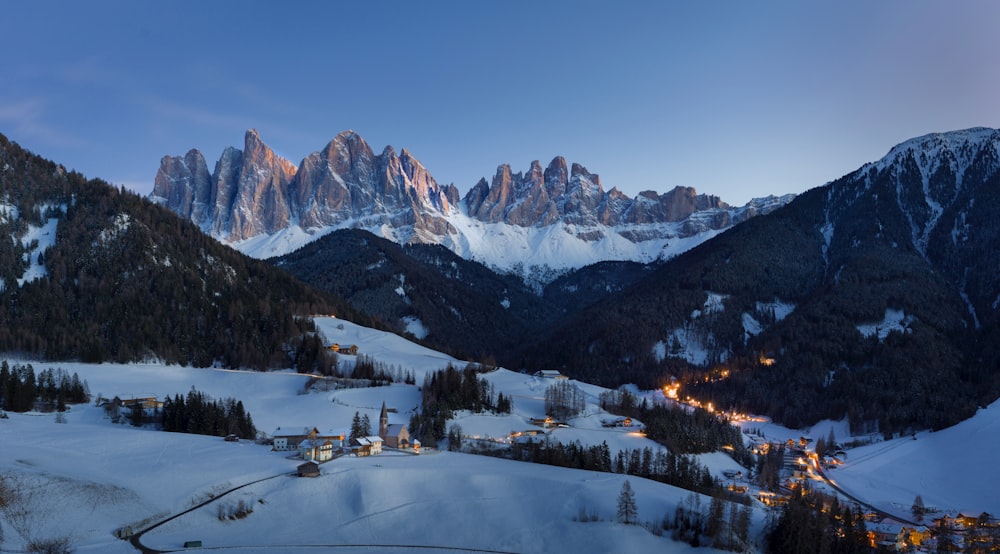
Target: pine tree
x,y
627,510
355,427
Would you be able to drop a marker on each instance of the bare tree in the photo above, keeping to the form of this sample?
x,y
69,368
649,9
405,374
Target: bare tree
x,y
628,512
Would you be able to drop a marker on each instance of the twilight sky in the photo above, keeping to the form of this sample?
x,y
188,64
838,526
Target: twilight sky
x,y
737,99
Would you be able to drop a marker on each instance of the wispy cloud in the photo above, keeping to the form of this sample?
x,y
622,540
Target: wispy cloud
x,y
24,118
162,109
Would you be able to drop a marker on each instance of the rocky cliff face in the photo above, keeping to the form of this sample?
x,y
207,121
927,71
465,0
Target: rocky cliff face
x,y
254,193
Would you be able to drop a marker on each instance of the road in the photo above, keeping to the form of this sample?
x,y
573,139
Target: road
x,y
135,539
137,544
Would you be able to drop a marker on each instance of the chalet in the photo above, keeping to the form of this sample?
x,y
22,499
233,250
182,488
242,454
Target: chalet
x,y
367,446
549,374
308,469
350,350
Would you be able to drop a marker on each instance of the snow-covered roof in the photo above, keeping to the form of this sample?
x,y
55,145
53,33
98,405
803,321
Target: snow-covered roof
x,y
368,441
305,430
395,429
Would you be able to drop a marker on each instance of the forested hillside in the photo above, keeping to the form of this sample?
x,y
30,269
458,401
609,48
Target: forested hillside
x,y
455,305
872,297
96,273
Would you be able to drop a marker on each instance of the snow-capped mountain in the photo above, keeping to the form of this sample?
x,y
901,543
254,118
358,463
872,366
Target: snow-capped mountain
x,y
550,220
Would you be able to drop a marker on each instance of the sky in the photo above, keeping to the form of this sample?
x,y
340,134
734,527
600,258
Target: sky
x,y
736,99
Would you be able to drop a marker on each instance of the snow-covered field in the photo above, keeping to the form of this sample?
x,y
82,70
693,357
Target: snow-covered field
x,y
86,478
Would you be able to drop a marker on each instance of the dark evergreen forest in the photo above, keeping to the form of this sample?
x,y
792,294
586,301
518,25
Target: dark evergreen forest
x,y
128,280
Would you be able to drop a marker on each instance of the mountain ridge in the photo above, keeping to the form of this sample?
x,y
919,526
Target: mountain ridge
x,y
266,206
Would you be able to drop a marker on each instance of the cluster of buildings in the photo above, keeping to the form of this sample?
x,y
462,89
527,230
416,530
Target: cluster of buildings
x,y
959,533
316,446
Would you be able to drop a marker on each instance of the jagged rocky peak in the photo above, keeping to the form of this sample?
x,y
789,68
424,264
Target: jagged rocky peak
x,y
184,183
260,205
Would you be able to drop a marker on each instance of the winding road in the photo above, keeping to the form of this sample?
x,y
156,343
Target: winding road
x,y
135,539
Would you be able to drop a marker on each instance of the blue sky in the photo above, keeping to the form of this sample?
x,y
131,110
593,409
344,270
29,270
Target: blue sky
x,y
737,99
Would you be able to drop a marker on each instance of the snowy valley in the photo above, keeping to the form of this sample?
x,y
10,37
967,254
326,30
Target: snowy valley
x,y
129,478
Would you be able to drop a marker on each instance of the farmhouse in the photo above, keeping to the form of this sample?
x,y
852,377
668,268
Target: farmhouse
x,y
367,446
549,374
345,349
289,438
318,450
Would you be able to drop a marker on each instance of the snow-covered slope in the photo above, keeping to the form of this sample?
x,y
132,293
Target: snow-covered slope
x,y
86,478
951,469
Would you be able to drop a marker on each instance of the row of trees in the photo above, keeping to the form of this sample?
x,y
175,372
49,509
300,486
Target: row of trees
x,y
564,400
21,390
200,414
379,373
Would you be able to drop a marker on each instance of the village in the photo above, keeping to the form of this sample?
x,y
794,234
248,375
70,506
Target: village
x,y
317,447
919,529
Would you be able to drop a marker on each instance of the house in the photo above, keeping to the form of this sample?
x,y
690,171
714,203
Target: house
x,y
287,439
367,446
308,469
545,422
318,450
885,533
147,404
620,422
351,350
549,374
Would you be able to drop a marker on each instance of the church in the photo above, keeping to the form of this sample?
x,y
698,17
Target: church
x,y
395,435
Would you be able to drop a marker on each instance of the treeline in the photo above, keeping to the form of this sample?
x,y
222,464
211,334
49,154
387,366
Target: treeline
x,y
666,467
199,414
681,430
448,390
380,373
21,390
813,522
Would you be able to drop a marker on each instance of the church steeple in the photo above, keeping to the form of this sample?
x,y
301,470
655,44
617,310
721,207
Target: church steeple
x,y
383,422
